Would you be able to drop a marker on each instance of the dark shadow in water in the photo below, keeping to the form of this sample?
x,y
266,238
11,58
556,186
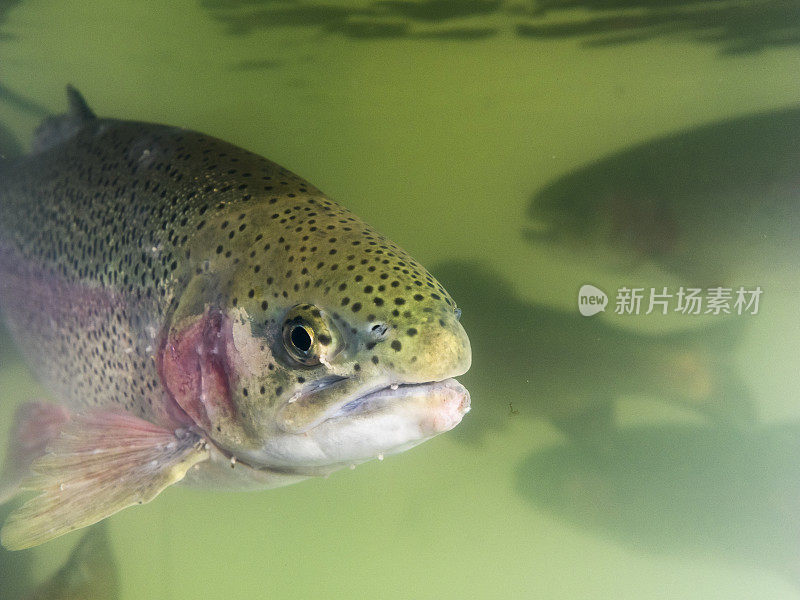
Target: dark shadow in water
x,y
464,34
9,144
734,26
699,203
20,102
685,491
257,65
436,11
5,8
15,567
534,361
378,20
89,573
372,30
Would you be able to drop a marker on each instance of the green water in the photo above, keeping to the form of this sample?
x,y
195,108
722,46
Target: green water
x,y
617,456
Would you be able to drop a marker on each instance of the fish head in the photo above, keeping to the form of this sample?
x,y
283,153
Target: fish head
x,y
326,347
566,212
602,210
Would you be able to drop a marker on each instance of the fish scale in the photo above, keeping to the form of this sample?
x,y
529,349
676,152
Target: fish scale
x,y
172,276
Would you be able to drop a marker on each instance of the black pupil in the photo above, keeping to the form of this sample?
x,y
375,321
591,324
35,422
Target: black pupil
x,y
301,339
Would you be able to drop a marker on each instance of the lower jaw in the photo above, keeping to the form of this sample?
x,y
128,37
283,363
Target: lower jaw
x,y
390,422
220,473
385,422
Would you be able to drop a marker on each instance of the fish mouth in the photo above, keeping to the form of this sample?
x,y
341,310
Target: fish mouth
x,y
374,422
346,398
375,400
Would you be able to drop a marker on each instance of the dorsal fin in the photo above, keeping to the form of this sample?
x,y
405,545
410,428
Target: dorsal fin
x,y
57,129
78,108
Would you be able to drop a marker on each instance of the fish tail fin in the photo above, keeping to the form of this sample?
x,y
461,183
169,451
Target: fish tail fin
x,y
36,424
57,129
100,463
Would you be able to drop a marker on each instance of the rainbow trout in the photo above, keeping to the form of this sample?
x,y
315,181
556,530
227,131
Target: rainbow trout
x,y
206,316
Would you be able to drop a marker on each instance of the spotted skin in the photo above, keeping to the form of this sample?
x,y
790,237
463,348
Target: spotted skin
x,y
125,243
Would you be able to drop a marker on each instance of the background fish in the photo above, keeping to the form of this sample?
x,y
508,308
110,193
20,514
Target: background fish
x,y
203,315
688,491
90,573
15,567
715,205
572,371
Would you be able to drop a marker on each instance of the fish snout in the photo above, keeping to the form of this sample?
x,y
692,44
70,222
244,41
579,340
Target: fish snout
x,y
442,351
447,406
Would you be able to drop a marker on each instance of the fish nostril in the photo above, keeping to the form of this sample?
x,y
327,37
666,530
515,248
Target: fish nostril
x,y
457,312
379,330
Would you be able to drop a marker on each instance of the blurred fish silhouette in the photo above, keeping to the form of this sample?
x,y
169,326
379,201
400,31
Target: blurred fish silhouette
x,y
16,579
711,204
90,573
570,369
10,146
688,491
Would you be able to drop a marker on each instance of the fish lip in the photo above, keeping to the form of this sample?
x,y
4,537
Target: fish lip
x,y
312,406
379,396
324,383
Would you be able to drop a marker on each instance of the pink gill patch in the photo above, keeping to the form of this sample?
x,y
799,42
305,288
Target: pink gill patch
x,y
194,368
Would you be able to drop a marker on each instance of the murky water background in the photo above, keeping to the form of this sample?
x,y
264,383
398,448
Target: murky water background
x,y
519,150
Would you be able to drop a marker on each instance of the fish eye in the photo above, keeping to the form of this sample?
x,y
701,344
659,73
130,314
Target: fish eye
x,y
308,336
300,341
302,337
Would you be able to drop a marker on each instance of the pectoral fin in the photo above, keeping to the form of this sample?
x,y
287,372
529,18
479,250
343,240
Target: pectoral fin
x,y
36,424
101,463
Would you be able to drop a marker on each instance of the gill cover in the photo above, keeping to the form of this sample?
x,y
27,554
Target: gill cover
x,y
198,363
